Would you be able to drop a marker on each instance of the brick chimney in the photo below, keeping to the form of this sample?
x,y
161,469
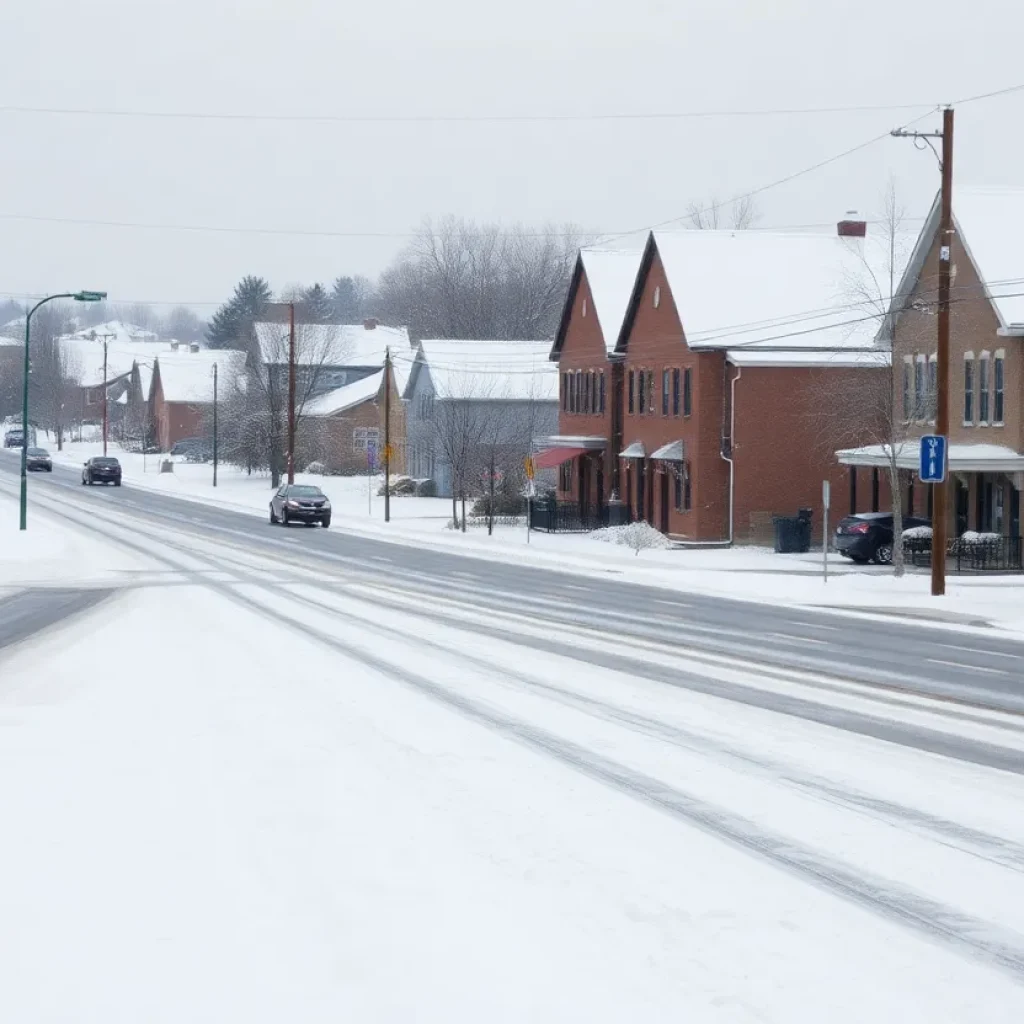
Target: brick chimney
x,y
851,226
370,323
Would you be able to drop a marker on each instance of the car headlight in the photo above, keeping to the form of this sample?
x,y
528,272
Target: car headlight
x,y
292,504
326,504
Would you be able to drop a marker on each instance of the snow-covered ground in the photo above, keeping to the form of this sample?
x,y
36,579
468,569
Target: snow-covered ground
x,y
754,574
232,794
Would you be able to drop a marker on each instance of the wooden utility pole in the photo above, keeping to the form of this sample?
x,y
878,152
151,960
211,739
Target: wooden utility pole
x,y
105,418
291,392
214,424
387,435
940,492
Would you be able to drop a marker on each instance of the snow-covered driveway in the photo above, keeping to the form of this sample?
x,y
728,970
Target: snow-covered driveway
x,y
257,787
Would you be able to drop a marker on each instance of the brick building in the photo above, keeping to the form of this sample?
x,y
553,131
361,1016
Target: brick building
x,y
348,425
986,367
729,345
181,391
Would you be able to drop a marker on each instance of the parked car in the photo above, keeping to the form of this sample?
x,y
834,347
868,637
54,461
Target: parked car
x,y
102,469
14,438
193,449
867,536
38,458
300,503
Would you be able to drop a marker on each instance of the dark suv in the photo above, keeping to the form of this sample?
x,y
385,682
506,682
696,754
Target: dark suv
x,y
867,536
102,470
300,503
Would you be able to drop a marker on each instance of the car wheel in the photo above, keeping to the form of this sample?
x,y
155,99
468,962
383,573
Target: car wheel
x,y
326,523
49,469
284,518
883,553
83,481
273,518
117,483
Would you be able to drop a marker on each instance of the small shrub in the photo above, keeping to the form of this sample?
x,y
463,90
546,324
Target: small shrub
x,y
504,505
317,469
637,536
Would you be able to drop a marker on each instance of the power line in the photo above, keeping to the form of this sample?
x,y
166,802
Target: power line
x,y
180,115
989,95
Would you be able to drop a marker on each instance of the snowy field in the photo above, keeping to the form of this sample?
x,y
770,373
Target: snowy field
x,y
755,574
251,788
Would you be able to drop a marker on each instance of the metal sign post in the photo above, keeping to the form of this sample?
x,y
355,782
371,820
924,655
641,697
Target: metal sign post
x,y
826,501
531,472
371,459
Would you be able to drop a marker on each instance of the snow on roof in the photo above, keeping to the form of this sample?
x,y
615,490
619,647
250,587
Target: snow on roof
x,y
122,333
611,274
962,457
833,358
86,357
735,289
991,222
187,377
346,397
500,371
332,344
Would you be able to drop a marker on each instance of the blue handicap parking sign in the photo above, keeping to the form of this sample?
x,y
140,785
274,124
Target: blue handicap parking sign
x,y
933,459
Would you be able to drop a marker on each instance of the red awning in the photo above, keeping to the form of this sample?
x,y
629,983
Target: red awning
x,y
556,456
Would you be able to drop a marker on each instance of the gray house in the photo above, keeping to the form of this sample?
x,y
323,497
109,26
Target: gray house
x,y
476,405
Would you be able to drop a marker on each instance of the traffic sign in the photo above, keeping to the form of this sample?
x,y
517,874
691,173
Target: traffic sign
x,y
933,459
371,456
529,466
388,453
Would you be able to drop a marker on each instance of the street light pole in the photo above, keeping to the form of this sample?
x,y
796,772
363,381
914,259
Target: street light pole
x,y
78,297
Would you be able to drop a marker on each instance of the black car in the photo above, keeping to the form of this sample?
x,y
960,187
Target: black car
x,y
102,470
867,536
300,503
38,459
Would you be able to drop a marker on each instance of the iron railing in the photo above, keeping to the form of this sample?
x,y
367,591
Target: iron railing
x,y
983,554
566,516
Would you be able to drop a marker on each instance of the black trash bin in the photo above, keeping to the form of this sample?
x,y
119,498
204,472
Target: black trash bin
x,y
793,533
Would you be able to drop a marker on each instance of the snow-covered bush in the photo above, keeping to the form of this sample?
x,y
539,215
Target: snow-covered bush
x,y
637,536
971,538
316,468
918,533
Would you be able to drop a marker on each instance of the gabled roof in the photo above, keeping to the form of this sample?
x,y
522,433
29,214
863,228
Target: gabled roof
x,y
741,289
347,397
332,344
86,357
188,377
122,333
989,223
498,371
611,274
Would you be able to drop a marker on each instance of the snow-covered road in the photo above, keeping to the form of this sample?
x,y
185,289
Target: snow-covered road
x,y
264,787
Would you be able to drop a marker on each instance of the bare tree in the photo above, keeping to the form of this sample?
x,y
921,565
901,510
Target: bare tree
x,y
55,372
716,214
259,404
458,428
891,398
458,279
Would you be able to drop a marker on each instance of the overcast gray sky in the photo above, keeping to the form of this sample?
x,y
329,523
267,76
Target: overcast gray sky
x,y
458,57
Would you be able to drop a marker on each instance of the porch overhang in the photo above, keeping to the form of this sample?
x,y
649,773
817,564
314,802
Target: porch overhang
x,y
556,456
962,458
674,451
635,450
587,442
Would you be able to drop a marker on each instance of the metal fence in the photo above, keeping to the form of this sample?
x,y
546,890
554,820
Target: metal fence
x,y
566,516
988,554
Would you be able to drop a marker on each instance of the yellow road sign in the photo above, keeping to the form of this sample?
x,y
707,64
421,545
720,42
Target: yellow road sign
x,y
387,453
529,467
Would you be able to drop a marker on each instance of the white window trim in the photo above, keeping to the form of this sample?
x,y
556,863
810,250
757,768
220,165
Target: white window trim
x,y
984,358
920,407
907,414
657,296
998,356
969,358
583,308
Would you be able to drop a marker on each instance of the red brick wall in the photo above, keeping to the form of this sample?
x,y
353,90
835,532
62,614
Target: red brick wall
x,y
340,453
782,456
656,343
584,349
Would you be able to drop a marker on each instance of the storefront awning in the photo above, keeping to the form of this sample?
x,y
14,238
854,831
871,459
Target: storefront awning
x,y
556,456
674,451
963,458
634,451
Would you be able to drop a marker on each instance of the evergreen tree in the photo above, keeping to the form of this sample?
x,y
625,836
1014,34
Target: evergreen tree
x,y
352,298
317,305
232,322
